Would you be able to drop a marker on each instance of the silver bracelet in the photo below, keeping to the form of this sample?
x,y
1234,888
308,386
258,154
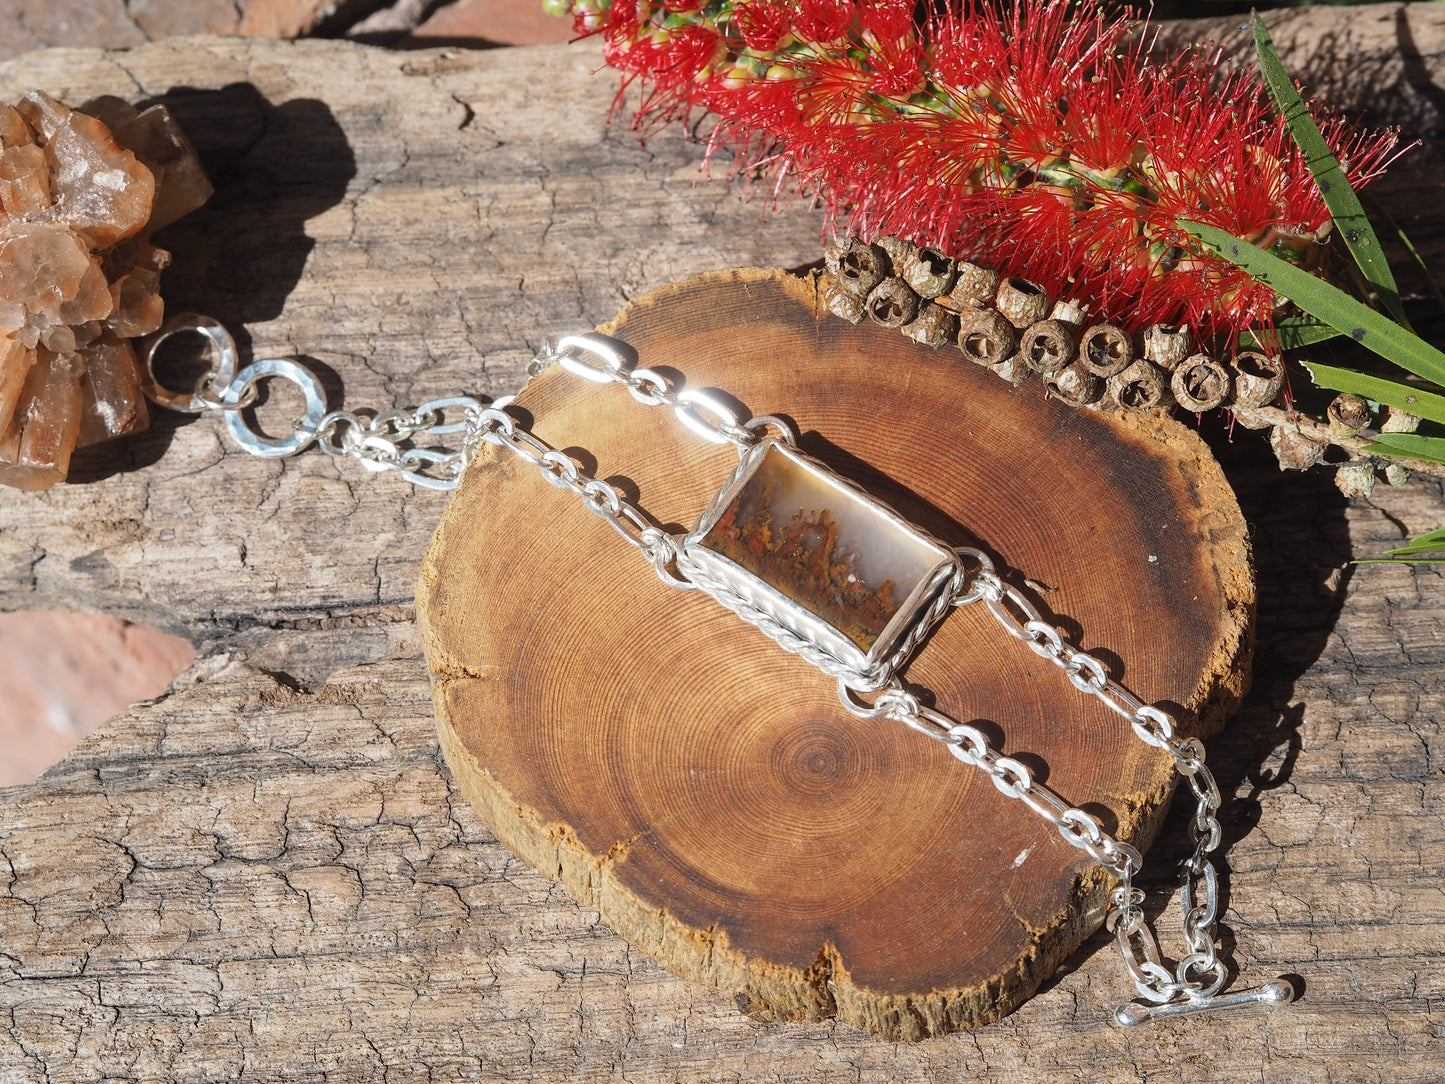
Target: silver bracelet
x,y
823,568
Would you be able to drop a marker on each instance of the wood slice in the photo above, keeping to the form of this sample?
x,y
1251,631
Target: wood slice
x,y
705,790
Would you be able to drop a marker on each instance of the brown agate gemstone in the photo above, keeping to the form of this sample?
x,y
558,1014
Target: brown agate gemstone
x,y
80,193
838,556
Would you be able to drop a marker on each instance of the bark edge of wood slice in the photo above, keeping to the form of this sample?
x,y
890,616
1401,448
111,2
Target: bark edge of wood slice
x,y
703,789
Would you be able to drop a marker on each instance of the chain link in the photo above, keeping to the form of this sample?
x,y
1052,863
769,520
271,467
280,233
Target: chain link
x,y
597,358
1012,778
1201,973
493,426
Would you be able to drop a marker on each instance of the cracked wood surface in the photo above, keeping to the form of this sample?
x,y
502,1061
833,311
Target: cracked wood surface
x,y
706,790
269,874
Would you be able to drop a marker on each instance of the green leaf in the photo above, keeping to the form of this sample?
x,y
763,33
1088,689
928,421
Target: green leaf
x,y
1412,400
1359,235
1401,561
1409,446
1434,539
1434,542
1291,333
1335,307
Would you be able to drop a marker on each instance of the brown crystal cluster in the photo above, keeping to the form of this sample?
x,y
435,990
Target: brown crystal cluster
x,y
80,193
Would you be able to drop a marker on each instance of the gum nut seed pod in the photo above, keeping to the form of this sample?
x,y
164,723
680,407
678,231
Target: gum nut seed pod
x,y
985,337
1396,474
1356,478
861,268
1200,383
841,302
1011,369
928,272
1397,421
1294,449
1252,417
1140,387
1106,349
836,250
1258,378
898,250
1022,302
1349,412
974,287
1075,385
934,326
1166,345
892,304
1048,346
1070,312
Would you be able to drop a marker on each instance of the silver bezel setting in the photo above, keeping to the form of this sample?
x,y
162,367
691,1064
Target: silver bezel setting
x,y
791,623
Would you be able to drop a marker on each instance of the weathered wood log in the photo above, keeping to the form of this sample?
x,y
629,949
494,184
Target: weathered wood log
x,y
706,791
270,873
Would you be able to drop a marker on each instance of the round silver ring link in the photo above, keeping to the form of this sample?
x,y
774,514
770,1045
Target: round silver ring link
x,y
980,580
850,699
220,376
765,421
596,345
306,429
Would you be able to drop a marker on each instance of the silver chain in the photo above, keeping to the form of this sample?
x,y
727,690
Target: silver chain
x,y
1200,974
387,442
377,442
1195,983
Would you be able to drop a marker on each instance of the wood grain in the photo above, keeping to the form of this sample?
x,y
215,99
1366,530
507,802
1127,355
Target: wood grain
x,y
270,873
707,791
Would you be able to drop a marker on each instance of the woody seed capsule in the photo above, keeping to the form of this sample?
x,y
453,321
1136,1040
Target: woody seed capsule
x,y
892,304
933,326
841,302
1047,346
1257,380
1075,385
1106,350
1011,369
1166,345
1200,383
1349,412
928,272
1397,421
985,337
1022,302
1294,449
1140,387
897,248
974,287
1356,479
861,267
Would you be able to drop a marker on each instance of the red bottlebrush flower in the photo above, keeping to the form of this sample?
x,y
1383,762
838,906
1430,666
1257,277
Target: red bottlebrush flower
x,y
822,21
761,24
1036,138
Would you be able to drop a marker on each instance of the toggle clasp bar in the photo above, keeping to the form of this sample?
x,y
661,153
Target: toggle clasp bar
x,y
1278,992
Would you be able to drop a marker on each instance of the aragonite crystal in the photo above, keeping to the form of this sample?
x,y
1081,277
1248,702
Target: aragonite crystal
x,y
80,193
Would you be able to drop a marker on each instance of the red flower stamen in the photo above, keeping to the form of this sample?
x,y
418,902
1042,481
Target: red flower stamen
x,y
1039,139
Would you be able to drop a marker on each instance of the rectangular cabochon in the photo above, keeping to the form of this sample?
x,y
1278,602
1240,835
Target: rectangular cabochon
x,y
835,553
